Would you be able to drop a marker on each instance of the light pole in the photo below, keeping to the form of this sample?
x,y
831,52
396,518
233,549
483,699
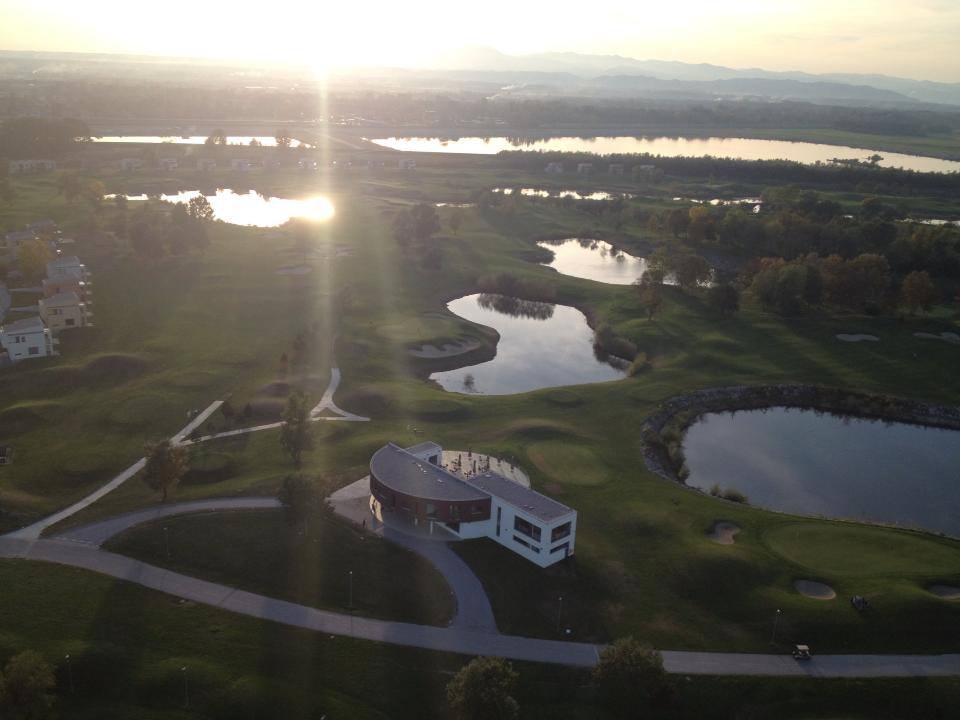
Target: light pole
x,y
559,611
350,604
186,690
166,539
69,671
776,620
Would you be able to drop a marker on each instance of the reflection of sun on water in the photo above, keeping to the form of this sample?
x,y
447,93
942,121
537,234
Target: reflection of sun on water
x,y
314,208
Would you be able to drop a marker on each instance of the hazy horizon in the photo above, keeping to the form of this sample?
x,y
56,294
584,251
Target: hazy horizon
x,y
814,36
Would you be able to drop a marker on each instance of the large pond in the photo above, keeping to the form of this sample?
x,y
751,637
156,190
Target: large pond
x,y
741,148
810,463
264,140
255,210
541,345
594,260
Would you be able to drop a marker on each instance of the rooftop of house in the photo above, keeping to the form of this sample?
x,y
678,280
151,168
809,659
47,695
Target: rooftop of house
x,y
523,498
405,473
64,299
26,325
66,261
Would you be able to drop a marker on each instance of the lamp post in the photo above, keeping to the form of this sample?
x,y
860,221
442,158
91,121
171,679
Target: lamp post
x,y
69,671
559,611
186,689
776,620
166,539
350,603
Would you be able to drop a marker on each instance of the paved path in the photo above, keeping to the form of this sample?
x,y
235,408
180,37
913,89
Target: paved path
x,y
34,531
327,403
4,301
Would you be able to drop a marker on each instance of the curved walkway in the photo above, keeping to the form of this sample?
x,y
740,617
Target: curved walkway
x,y
80,548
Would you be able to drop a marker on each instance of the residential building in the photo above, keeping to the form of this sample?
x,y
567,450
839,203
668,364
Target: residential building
x,y
68,267
27,167
130,164
14,240
407,164
168,164
584,168
239,164
64,310
616,169
306,163
26,339
412,485
554,168
206,164
68,284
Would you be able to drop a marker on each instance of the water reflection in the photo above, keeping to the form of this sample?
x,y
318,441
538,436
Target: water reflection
x,y
819,464
541,345
255,140
594,260
741,148
572,194
252,209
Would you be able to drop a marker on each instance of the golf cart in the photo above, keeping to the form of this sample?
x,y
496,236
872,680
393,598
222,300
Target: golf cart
x,y
802,652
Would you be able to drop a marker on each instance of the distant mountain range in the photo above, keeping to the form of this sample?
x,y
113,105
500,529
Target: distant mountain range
x,y
615,73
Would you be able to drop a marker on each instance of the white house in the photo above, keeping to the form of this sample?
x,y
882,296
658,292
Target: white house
x,y
24,167
239,164
168,164
67,267
306,163
616,168
64,310
407,164
554,168
206,164
26,339
56,286
411,484
130,164
584,168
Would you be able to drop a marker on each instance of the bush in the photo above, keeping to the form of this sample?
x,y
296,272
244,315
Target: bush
x,y
734,496
630,679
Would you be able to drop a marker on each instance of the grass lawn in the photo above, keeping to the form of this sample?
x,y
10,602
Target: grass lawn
x,y
259,551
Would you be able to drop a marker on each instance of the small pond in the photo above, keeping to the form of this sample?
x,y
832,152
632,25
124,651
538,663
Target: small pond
x,y
810,463
741,148
572,194
264,140
541,345
594,260
255,210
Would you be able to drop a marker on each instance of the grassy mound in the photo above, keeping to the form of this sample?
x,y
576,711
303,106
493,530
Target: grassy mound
x,y
209,467
537,429
27,416
114,367
138,411
440,409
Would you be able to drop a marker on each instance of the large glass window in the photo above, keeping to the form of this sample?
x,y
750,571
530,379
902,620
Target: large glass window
x,y
560,532
526,527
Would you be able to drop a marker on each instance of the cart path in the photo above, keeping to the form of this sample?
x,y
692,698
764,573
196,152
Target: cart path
x,y
80,548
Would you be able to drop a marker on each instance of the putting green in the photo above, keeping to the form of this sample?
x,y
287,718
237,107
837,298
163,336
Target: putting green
x,y
862,551
566,463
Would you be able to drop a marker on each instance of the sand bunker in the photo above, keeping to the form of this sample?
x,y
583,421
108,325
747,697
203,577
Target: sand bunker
x,y
814,590
448,350
722,532
294,270
950,337
946,592
857,337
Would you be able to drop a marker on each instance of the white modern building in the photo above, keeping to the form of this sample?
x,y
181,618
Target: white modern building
x,y
26,339
411,483
24,167
64,310
68,267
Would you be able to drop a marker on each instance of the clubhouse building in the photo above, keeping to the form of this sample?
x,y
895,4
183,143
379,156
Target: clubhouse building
x,y
411,482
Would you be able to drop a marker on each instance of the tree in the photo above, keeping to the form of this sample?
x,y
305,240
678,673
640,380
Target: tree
x,y
146,241
630,678
456,221
691,270
650,292
69,185
199,208
296,433
483,689
166,465
300,498
33,257
217,137
424,221
918,291
725,297
283,140
403,231
26,687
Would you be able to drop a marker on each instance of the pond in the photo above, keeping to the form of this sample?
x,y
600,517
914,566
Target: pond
x,y
254,210
264,140
541,345
572,194
594,260
741,148
810,463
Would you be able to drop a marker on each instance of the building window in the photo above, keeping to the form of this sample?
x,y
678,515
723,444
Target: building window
x,y
526,527
34,350
560,548
560,532
71,322
526,544
431,510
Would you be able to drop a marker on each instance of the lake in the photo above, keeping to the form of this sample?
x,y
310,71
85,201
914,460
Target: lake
x,y
541,345
741,148
572,194
264,140
594,260
254,210
799,461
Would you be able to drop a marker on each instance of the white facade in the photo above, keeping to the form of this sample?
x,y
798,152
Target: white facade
x,y
407,164
554,168
27,339
63,311
205,164
22,167
131,164
239,164
168,163
585,168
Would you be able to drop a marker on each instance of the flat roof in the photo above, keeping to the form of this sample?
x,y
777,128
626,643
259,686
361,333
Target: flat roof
x,y
522,498
428,446
61,300
30,324
397,469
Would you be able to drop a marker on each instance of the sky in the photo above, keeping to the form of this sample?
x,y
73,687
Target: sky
x,y
908,38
